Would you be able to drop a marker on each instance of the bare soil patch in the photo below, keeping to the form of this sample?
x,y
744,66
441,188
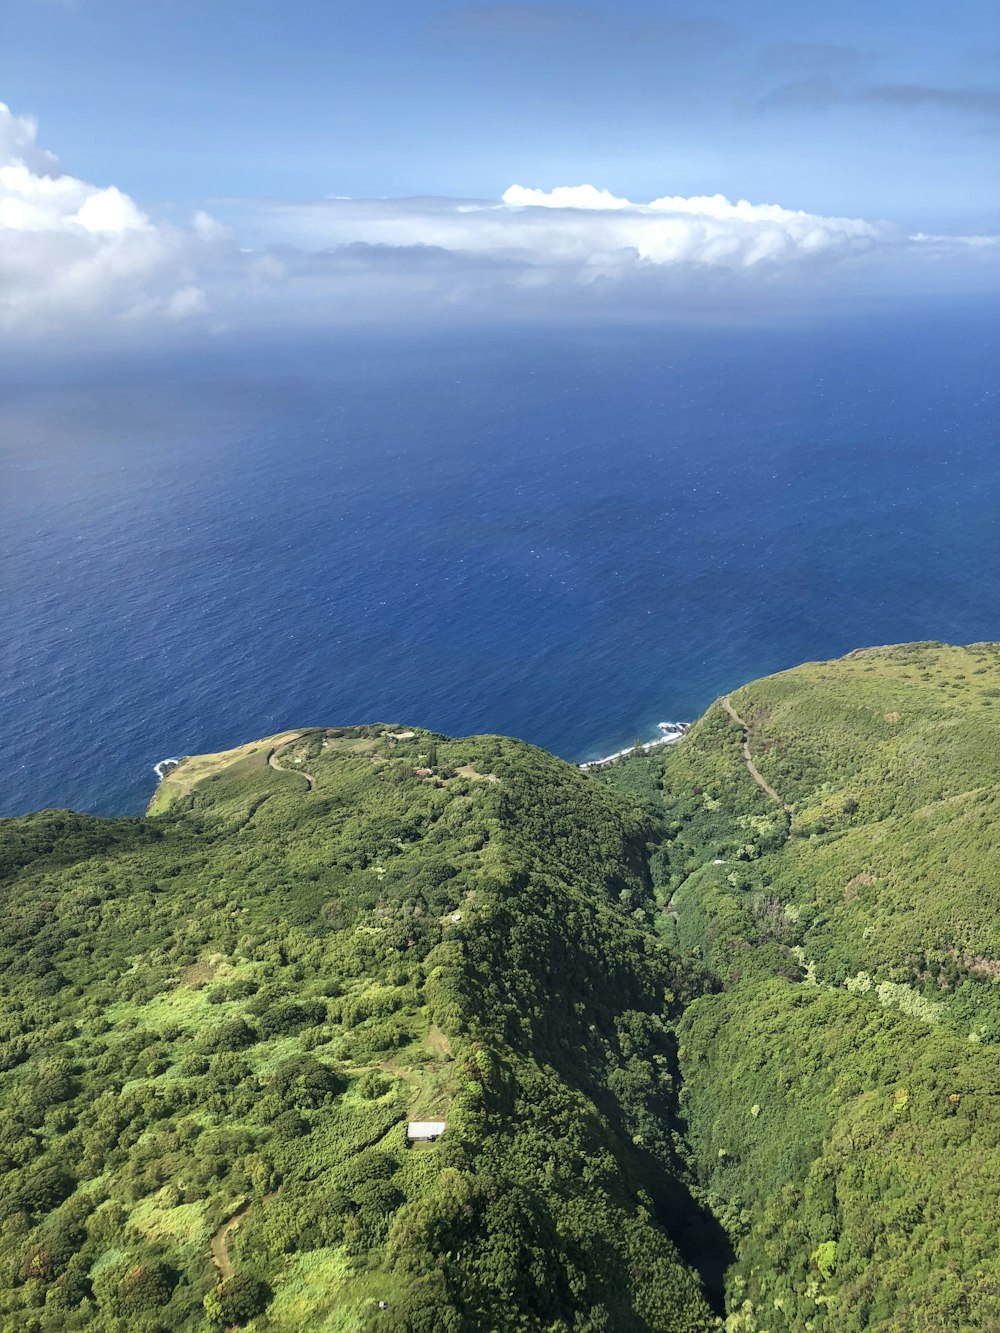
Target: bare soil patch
x,y
468,771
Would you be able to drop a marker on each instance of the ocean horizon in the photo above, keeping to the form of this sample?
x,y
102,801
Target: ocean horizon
x,y
561,534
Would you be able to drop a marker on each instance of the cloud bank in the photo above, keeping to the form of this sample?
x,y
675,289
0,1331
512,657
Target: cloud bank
x,y
74,253
76,256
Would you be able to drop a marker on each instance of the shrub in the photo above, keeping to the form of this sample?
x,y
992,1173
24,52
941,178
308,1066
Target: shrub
x,y
237,1299
289,1125
281,1019
235,1034
373,1084
144,1287
306,1083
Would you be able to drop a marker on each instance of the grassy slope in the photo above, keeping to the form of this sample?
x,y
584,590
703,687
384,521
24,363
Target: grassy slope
x,y
841,1091
891,758
195,770
232,1009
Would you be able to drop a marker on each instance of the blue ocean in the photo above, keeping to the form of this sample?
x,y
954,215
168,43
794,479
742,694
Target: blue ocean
x,y
562,534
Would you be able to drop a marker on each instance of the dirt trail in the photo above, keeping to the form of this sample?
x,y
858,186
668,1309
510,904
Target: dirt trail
x,y
272,759
220,1241
220,1249
755,772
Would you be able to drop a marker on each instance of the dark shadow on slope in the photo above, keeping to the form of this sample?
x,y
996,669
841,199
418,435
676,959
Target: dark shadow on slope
x,y
700,1239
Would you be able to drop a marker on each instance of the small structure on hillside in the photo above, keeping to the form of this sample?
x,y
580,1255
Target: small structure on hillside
x,y
425,772
424,1131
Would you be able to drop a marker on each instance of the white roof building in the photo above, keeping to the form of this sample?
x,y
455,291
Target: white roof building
x,y
424,1131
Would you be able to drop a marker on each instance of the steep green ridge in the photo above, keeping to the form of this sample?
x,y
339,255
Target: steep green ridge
x,y
840,1091
218,1021
705,1061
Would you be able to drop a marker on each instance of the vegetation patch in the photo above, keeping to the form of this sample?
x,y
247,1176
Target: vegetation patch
x,y
705,1057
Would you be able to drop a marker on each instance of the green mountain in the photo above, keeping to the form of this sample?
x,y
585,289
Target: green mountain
x,y
713,1031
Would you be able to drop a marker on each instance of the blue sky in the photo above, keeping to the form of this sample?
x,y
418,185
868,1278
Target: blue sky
x,y
887,111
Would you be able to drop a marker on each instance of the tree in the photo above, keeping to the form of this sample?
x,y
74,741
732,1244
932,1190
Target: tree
x,y
237,1299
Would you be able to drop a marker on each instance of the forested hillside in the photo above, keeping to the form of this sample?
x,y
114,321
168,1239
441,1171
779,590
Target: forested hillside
x,y
840,1090
219,1020
714,1031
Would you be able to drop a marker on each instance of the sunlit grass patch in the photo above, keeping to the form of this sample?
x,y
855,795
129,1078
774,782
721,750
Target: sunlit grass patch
x,y
309,1293
319,1291
184,1006
431,1091
185,1224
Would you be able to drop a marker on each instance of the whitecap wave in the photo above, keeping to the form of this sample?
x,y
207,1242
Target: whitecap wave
x,y
672,733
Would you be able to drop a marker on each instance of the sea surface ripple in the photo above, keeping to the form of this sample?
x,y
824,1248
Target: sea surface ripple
x,y
557,534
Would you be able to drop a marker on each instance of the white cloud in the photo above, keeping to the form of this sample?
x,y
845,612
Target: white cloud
x,y
17,143
29,202
563,196
950,244
710,229
75,255
584,229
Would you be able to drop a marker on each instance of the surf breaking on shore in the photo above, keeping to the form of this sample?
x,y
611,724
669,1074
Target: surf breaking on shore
x,y
672,733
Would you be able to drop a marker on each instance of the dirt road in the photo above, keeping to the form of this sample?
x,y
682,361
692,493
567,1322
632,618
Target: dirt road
x,y
272,759
755,772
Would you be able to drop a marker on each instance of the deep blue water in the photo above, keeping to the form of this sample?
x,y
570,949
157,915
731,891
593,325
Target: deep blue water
x,y
561,535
